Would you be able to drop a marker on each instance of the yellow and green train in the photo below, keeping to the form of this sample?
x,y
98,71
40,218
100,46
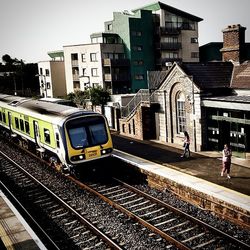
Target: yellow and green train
x,y
65,135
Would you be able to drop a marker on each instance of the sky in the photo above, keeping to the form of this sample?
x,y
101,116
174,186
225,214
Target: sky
x,y
31,28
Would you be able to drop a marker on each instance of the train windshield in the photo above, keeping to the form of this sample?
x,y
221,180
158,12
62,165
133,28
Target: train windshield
x,y
87,131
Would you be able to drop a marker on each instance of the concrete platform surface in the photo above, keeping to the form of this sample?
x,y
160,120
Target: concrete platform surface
x,y
15,233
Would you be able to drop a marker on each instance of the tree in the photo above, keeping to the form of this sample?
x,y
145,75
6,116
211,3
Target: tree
x,y
18,77
79,97
99,96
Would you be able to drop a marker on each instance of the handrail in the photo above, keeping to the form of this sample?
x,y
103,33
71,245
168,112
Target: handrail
x,y
143,95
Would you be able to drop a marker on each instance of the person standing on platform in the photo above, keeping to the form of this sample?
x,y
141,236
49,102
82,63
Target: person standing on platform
x,y
186,145
226,160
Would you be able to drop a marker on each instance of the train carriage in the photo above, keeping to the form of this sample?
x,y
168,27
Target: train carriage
x,y
66,135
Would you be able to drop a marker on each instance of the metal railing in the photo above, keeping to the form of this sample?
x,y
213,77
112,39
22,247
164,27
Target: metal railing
x,y
143,95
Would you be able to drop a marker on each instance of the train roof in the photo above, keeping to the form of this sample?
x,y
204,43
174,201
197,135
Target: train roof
x,y
59,101
48,111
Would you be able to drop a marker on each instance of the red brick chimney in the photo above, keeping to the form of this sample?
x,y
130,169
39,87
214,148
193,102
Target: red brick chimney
x,y
233,43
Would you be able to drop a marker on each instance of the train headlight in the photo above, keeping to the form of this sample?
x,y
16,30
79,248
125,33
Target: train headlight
x,y
106,151
78,157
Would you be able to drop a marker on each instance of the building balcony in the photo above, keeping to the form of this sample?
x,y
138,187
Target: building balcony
x,y
170,46
75,77
107,62
74,63
170,31
163,61
116,77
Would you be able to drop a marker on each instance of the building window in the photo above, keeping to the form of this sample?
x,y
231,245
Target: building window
x,y
76,85
136,33
109,26
93,57
74,57
194,40
94,72
48,85
137,48
170,39
138,62
46,72
83,57
170,55
139,77
180,113
194,54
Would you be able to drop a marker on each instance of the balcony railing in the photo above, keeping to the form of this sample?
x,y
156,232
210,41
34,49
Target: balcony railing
x,y
171,46
170,30
115,62
75,77
163,61
116,77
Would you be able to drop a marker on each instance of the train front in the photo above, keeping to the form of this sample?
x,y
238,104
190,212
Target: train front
x,y
87,138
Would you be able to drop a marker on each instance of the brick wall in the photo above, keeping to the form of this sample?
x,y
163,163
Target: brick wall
x,y
140,125
233,43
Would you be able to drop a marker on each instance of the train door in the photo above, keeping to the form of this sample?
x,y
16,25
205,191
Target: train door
x,y
10,125
9,119
37,134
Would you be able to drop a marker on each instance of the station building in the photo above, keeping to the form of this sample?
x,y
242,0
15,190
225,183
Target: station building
x,y
209,100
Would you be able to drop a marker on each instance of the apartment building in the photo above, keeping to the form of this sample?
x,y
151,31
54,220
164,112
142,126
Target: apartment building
x,y
155,35
52,75
100,63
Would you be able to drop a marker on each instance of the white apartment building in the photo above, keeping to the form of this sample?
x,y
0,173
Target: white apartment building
x,y
52,76
90,65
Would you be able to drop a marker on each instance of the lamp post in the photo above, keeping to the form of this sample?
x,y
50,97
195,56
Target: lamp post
x,y
44,82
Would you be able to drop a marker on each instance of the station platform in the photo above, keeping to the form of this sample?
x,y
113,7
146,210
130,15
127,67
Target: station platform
x,y
200,172
15,233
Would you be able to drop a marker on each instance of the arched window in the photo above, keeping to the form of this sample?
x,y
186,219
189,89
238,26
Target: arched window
x,y
180,113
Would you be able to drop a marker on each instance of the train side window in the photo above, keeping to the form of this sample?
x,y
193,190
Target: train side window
x,y
27,127
1,116
4,118
57,140
21,125
46,136
17,122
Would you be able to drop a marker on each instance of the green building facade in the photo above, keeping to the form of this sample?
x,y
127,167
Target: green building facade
x,y
136,31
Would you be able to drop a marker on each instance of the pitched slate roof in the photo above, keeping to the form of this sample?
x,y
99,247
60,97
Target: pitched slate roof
x,y
241,76
209,75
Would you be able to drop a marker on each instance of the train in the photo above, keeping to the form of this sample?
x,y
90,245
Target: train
x,y
66,136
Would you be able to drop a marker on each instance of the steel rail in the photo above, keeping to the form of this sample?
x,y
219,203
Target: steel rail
x,y
110,242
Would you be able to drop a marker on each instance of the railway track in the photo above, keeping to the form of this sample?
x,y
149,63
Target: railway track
x,y
57,220
39,198
139,220
179,228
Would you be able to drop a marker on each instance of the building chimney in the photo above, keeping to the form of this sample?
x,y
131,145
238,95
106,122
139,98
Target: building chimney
x,y
233,43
